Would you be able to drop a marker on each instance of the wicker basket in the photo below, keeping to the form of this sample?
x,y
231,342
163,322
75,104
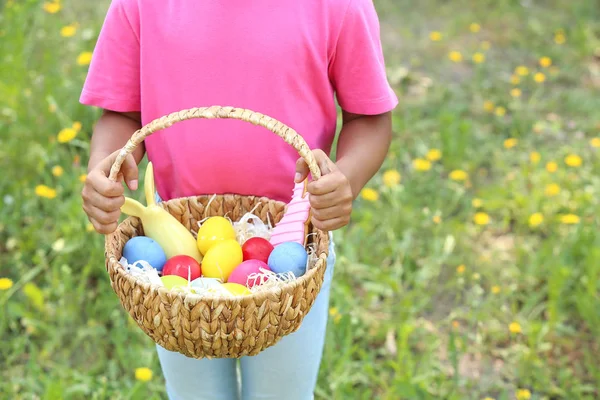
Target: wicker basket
x,y
213,327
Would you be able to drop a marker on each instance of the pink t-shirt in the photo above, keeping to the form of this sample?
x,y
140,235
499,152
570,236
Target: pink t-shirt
x,y
288,59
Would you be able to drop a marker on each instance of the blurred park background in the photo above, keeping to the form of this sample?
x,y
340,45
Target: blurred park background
x,y
471,269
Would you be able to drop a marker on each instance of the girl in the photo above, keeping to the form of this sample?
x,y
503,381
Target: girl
x,y
288,59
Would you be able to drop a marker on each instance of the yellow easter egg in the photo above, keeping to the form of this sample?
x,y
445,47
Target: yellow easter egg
x,y
236,289
174,282
221,259
212,231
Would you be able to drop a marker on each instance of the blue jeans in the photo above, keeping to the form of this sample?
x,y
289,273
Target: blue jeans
x,y
287,370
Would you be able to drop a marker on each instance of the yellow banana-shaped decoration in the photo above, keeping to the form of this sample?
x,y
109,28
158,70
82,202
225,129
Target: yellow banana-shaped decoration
x,y
159,225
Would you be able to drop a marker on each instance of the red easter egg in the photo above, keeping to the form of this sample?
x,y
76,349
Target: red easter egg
x,y
241,272
257,248
182,265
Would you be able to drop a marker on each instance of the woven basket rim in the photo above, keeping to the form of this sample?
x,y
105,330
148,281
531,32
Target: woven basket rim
x,y
189,298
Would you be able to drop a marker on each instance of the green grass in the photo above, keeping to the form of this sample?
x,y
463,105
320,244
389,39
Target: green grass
x,y
407,323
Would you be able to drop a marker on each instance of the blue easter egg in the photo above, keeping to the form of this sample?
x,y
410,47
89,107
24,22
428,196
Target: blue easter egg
x,y
142,248
288,257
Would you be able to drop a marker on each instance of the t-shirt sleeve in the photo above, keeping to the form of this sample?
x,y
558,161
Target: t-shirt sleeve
x,y
113,79
357,68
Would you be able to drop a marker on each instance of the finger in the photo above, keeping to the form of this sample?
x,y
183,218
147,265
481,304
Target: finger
x,y
327,184
333,212
301,170
101,216
101,184
102,228
324,162
331,224
129,169
108,204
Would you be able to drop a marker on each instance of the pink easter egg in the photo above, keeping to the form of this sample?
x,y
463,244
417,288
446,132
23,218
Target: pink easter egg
x,y
241,272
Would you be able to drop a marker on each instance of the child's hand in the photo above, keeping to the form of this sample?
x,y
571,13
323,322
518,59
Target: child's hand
x,y
103,198
330,197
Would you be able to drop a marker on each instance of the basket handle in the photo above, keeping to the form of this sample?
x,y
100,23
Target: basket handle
x,y
285,132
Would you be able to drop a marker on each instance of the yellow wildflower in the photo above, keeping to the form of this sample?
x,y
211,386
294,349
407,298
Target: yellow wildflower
x,y
455,56
57,170
560,38
552,189
516,92
515,327
488,106
569,219
369,194
421,165
595,142
458,175
523,394
476,276
68,30
515,80
434,155
66,135
545,62
573,160
489,398
510,143
522,70
496,289
52,7
478,58
76,126
485,45
391,178
551,166
84,58
539,77
476,203
435,36
436,219
535,157
536,219
143,374
474,27
500,111
45,191
461,269
335,314
481,218
5,283
455,324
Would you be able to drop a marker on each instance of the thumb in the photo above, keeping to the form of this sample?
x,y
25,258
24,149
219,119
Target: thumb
x,y
129,169
323,161
301,170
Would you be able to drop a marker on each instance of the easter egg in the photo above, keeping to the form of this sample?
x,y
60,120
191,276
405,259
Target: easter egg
x,y
257,248
288,257
241,272
204,284
142,248
214,230
183,266
174,282
221,259
236,289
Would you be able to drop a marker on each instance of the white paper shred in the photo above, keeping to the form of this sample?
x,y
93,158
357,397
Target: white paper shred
x,y
143,271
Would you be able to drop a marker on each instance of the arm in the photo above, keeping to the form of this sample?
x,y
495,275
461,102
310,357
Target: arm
x,y
363,144
111,133
362,147
102,198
